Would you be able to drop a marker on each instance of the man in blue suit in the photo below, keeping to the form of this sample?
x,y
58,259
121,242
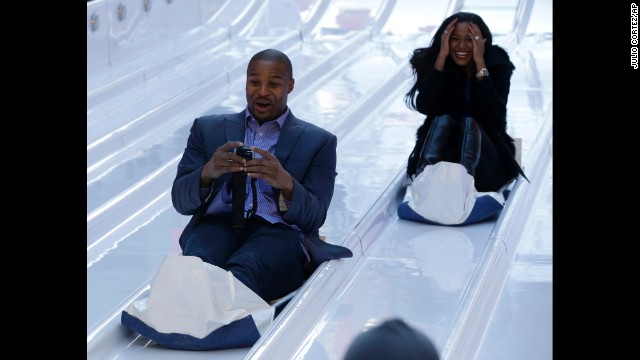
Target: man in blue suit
x,y
289,185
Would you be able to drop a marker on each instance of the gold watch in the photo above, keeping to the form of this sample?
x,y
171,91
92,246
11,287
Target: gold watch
x,y
482,73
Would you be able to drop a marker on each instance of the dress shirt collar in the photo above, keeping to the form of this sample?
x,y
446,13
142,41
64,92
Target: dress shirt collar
x,y
280,120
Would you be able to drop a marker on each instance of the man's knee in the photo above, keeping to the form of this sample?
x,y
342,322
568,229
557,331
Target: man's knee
x,y
201,254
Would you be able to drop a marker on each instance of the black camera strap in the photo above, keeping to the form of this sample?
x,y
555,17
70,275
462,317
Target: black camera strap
x,y
239,183
254,192
239,192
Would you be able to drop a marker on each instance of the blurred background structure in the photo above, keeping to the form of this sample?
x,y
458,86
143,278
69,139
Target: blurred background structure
x,y
482,291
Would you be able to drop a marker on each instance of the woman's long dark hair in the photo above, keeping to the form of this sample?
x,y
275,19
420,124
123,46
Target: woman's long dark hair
x,y
424,59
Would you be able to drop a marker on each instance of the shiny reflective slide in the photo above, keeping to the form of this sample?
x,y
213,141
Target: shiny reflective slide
x,y
153,66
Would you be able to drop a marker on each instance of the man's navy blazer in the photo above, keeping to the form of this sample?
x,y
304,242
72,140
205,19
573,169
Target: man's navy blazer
x,y
306,151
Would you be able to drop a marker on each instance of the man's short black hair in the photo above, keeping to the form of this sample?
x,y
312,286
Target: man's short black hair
x,y
274,55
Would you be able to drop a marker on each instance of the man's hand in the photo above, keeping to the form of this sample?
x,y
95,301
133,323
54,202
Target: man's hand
x,y
222,162
269,168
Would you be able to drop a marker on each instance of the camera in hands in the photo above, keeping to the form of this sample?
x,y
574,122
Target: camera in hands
x,y
239,191
244,151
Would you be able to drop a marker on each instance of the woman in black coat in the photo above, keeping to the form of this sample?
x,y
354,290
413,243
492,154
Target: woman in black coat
x,y
462,85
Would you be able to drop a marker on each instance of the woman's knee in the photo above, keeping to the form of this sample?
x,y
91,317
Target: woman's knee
x,y
444,120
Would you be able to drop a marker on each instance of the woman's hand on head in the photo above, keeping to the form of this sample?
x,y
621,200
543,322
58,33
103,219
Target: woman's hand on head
x,y
444,45
444,39
478,42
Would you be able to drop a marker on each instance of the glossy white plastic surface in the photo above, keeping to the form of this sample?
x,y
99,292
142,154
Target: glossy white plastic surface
x,y
152,73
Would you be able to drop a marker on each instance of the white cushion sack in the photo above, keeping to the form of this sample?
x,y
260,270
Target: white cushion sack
x,y
191,305
445,194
